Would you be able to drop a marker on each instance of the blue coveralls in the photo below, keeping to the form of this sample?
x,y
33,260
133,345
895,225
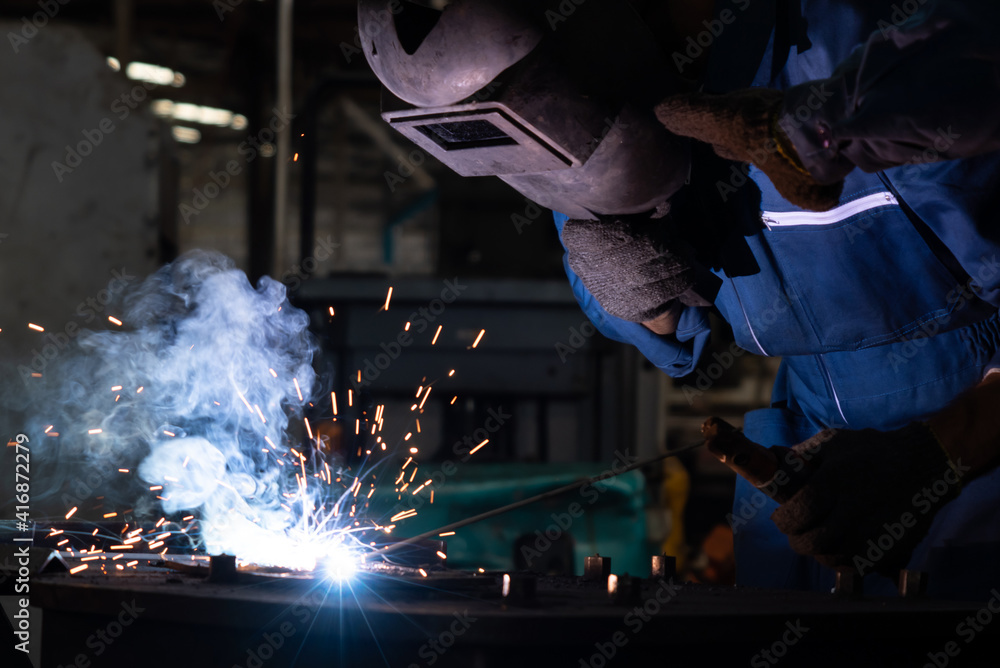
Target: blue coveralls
x,y
883,310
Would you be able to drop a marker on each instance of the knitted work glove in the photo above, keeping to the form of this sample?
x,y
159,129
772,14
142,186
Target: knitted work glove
x,y
630,267
743,126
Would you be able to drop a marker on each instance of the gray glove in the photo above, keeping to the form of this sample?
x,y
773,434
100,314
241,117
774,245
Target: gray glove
x,y
630,267
871,498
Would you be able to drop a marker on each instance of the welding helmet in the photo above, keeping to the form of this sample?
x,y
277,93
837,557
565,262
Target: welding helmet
x,y
555,97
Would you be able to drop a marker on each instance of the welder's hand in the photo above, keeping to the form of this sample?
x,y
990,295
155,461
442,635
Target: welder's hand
x,y
743,126
632,270
871,497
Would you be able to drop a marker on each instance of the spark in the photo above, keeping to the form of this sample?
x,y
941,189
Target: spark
x,y
116,388
109,515
446,533
114,320
273,372
442,554
83,567
436,335
123,470
139,391
71,512
403,515
478,338
94,431
387,298
453,400
451,373
476,449
424,400
422,572
406,327
49,428
333,401
37,328
331,311
298,390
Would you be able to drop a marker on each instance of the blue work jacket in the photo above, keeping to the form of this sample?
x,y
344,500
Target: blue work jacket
x,y
883,309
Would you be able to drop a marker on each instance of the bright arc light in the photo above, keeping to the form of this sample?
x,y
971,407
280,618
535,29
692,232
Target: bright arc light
x,y
340,564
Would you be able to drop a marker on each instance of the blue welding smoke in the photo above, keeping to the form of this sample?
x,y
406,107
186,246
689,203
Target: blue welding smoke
x,y
195,393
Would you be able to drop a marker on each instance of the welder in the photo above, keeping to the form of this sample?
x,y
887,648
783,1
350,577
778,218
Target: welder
x,y
831,210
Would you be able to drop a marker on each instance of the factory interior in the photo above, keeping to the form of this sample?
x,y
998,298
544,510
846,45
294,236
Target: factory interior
x,y
290,379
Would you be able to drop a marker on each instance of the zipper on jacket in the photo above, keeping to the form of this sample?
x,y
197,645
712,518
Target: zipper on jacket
x,y
746,319
773,219
833,390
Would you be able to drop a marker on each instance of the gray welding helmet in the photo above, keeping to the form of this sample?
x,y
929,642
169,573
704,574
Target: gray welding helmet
x,y
555,97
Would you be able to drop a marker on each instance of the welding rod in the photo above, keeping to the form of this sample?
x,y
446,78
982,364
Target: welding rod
x,y
523,502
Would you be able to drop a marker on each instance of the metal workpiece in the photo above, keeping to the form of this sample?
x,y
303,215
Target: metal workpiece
x,y
222,569
628,590
662,567
387,615
519,588
848,582
596,568
912,584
